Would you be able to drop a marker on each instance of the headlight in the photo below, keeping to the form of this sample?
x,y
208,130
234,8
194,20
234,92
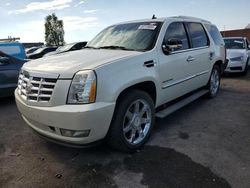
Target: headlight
x,y
240,58
83,88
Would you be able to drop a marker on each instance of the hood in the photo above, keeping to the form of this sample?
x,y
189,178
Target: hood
x,y
51,53
231,53
67,64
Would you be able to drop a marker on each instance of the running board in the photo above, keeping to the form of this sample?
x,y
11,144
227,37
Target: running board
x,y
169,110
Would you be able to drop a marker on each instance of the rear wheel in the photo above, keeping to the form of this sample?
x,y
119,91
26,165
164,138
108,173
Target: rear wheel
x,y
214,82
132,122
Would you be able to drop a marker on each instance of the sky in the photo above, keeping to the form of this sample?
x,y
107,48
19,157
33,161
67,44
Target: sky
x,y
83,19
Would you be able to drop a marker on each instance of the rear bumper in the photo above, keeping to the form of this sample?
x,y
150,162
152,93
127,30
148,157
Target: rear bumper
x,y
49,121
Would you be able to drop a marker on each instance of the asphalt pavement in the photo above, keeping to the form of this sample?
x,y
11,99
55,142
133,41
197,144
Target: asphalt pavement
x,y
204,145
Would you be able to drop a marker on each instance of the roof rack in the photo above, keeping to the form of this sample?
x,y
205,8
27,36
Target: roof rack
x,y
10,39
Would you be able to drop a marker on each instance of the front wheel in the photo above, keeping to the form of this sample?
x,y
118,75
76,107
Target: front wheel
x,y
214,82
132,122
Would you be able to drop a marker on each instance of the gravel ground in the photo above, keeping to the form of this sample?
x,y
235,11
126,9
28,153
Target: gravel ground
x,y
206,144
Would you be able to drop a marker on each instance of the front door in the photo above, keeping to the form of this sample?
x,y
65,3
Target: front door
x,y
174,68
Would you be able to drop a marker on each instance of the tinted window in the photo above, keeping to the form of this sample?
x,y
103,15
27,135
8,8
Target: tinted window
x,y
177,31
215,34
198,35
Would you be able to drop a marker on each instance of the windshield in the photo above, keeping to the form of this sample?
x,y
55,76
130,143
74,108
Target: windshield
x,y
234,43
132,36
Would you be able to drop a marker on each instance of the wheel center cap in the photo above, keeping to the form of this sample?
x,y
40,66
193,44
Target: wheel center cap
x,y
137,121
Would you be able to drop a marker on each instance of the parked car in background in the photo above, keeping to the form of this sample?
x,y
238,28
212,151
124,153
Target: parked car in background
x,y
238,54
32,49
127,75
67,48
14,49
9,71
41,52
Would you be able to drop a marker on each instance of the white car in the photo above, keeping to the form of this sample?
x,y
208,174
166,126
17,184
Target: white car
x,y
125,77
238,53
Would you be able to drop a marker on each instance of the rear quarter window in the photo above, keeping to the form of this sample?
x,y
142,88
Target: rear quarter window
x,y
215,34
198,35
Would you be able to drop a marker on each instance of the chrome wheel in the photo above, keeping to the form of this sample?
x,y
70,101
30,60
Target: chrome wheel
x,y
137,122
214,82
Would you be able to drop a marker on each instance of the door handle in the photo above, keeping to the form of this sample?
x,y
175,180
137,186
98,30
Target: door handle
x,y
150,63
190,59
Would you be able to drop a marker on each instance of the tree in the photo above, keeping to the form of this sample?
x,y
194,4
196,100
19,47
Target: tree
x,y
54,32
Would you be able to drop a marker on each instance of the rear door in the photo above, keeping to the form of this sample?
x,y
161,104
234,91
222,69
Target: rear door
x,y
201,55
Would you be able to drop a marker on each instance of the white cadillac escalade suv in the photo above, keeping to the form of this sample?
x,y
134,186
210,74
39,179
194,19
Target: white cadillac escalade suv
x,y
126,76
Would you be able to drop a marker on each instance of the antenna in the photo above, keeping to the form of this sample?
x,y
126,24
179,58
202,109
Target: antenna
x,y
154,17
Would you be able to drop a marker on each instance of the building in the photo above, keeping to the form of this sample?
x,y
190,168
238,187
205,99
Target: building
x,y
237,33
26,44
32,44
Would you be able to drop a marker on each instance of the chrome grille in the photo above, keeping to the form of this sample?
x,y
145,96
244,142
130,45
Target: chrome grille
x,y
35,89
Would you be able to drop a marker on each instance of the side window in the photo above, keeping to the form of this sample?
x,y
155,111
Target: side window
x,y
177,31
198,35
215,34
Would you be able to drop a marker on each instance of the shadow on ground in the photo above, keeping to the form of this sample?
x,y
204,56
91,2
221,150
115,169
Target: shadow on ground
x,y
165,167
160,167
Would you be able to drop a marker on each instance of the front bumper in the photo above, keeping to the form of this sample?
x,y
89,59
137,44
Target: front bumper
x,y
48,121
235,66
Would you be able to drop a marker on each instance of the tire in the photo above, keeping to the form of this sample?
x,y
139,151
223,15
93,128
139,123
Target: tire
x,y
213,85
132,122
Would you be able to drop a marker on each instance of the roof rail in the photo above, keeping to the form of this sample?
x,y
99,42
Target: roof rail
x,y
193,18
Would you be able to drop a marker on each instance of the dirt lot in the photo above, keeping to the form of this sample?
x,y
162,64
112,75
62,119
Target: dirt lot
x,y
206,144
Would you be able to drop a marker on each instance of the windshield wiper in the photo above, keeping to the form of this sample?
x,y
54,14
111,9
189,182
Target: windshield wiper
x,y
116,47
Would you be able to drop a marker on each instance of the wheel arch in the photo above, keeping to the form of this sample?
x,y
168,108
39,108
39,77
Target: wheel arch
x,y
147,86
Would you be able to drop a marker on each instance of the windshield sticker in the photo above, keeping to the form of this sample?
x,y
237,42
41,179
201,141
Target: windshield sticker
x,y
147,27
239,42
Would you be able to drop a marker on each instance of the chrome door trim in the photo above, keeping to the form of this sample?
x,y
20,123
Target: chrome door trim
x,y
185,79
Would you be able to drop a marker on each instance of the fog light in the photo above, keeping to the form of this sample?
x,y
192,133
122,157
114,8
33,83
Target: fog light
x,y
76,134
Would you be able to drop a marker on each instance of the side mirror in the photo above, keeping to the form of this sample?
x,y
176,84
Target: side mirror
x,y
4,60
171,45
